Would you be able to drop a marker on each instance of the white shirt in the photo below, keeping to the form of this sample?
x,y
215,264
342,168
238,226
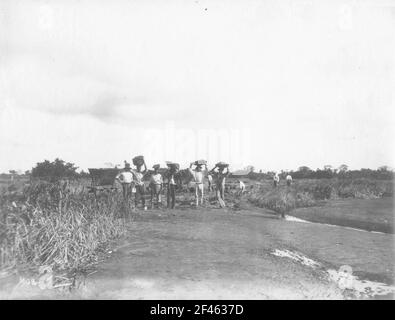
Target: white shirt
x,y
171,179
289,177
197,175
242,185
276,178
157,178
125,177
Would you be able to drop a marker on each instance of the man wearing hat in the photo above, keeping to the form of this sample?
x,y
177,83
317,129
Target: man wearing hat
x,y
198,177
125,178
156,184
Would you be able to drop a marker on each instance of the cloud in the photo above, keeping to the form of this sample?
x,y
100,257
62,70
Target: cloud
x,y
292,73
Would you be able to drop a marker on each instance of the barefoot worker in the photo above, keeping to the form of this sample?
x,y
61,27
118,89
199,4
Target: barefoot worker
x,y
125,178
242,186
210,182
289,180
198,179
171,183
220,175
156,184
276,180
139,162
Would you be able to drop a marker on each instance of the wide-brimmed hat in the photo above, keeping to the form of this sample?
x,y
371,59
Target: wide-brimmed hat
x,y
156,166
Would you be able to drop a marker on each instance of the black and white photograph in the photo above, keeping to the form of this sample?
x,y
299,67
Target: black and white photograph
x,y
197,150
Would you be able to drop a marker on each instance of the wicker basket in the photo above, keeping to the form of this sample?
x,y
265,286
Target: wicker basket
x,y
138,161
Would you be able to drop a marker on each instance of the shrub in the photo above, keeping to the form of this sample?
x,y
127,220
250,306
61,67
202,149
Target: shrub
x,y
49,226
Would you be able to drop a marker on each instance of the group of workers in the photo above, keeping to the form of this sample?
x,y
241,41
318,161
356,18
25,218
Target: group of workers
x,y
276,180
132,181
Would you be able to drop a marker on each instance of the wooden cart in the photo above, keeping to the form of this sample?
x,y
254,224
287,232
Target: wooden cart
x,y
103,179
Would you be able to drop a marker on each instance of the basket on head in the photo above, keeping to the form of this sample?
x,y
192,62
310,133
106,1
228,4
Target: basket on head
x,y
222,164
200,162
138,161
173,165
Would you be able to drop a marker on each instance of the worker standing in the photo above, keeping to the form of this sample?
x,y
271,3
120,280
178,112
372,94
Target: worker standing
x,y
289,180
210,182
171,184
125,178
139,162
276,180
198,179
156,185
242,186
220,175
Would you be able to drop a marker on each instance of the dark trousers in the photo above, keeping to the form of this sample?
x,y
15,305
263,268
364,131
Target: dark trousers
x,y
171,195
126,190
288,183
275,183
140,194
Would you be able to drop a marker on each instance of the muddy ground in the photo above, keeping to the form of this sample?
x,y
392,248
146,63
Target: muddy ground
x,y
212,253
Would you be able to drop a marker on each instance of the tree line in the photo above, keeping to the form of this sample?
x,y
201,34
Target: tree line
x,y
328,172
60,169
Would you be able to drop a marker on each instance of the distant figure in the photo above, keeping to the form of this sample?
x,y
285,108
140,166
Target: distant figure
x,y
210,182
198,179
242,186
156,184
289,180
139,183
220,176
171,185
125,178
276,180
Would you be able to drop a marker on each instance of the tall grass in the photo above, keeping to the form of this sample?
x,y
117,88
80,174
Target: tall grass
x,y
49,225
310,192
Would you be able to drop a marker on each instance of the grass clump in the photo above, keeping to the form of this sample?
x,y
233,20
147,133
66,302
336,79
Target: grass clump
x,y
48,225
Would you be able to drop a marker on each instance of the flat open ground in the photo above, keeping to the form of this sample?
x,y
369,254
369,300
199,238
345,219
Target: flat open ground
x,y
224,254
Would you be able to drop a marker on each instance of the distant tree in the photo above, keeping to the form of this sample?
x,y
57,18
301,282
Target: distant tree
x,y
304,169
54,171
328,167
343,168
383,168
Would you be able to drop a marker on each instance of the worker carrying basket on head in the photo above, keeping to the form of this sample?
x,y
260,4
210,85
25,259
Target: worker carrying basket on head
x,y
198,179
173,169
138,173
220,175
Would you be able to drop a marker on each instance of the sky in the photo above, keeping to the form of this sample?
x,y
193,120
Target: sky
x,y
273,84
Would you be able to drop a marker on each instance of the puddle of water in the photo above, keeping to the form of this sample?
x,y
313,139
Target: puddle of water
x,y
361,288
343,277
297,257
291,218
294,219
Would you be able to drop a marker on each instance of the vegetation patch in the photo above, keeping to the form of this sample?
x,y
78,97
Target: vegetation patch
x,y
48,225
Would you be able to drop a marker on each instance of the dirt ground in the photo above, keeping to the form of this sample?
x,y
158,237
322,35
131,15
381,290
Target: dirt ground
x,y
211,253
